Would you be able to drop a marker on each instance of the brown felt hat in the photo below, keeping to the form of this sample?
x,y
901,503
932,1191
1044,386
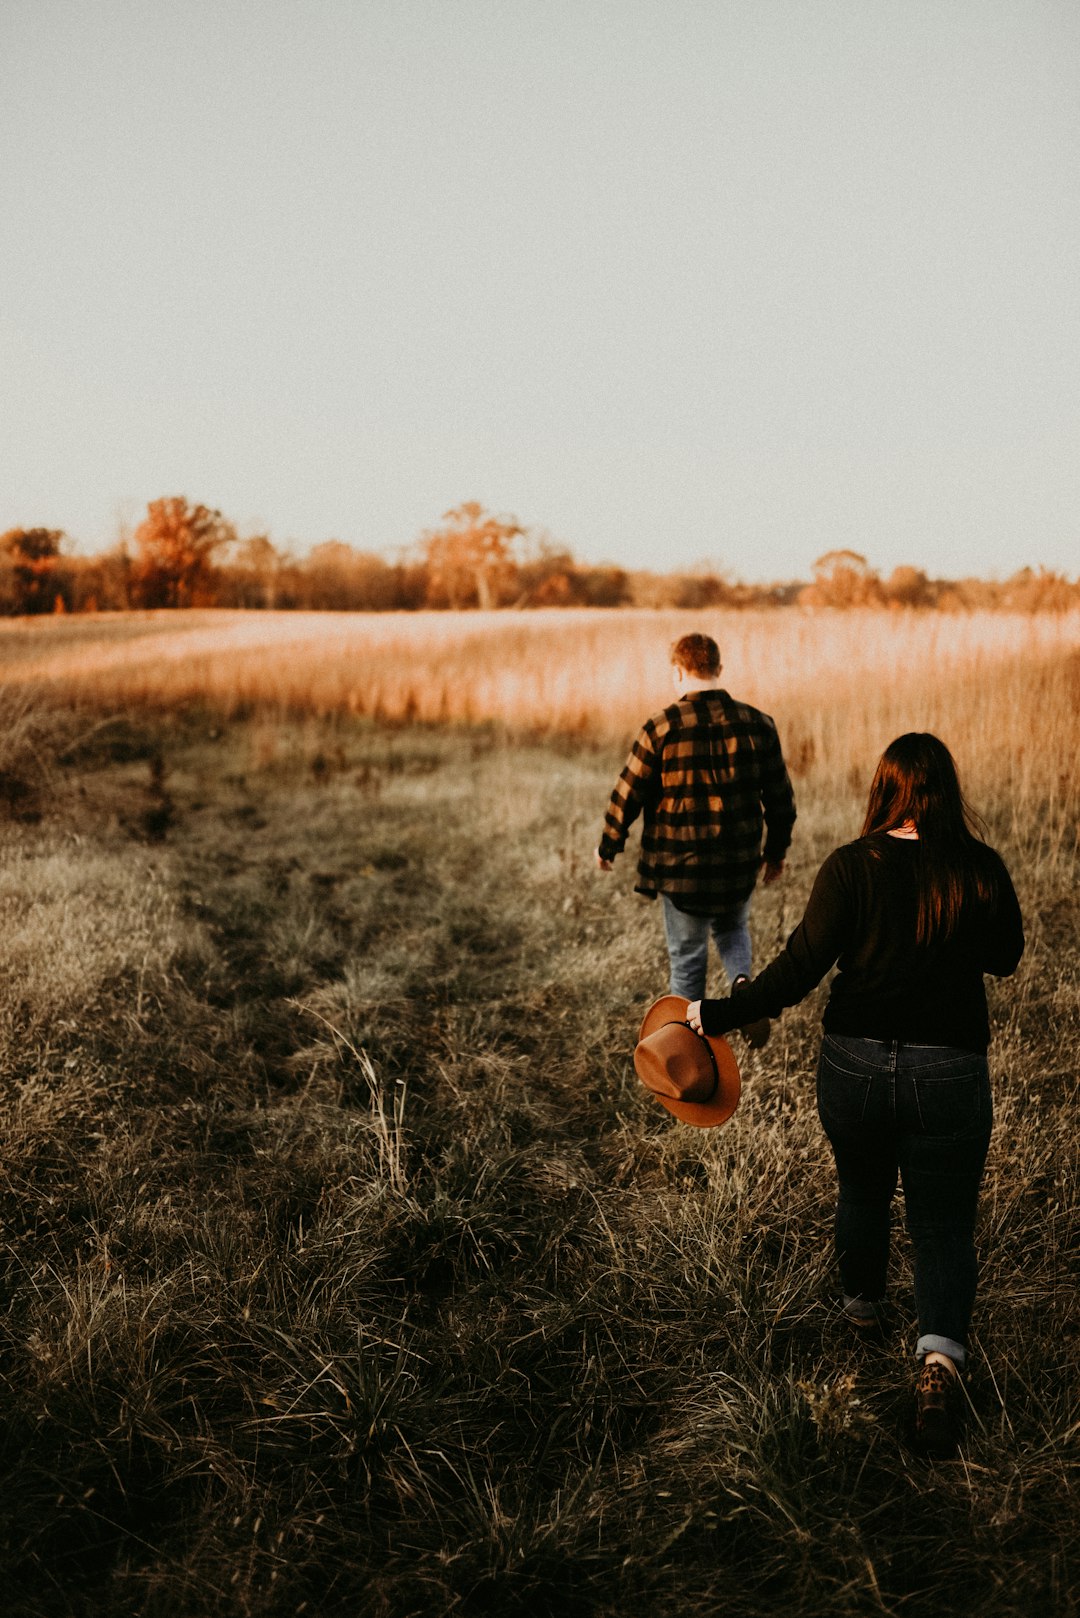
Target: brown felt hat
x,y
695,1076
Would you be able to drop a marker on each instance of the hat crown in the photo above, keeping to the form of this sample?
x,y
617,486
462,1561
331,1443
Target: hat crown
x,y
695,1076
676,1062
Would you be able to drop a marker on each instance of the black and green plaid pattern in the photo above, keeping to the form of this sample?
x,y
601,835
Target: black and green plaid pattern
x,y
709,778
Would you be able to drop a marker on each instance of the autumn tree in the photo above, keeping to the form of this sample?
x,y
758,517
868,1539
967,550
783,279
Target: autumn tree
x,y
469,558
257,565
699,589
1038,590
908,586
339,578
100,583
30,560
174,548
842,578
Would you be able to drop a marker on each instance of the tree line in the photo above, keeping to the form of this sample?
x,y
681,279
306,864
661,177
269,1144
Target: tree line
x,y
184,555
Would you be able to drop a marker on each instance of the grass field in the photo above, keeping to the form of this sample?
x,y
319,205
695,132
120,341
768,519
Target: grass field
x,y
349,1270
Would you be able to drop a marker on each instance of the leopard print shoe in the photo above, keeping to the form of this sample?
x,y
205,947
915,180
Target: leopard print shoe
x,y
937,1411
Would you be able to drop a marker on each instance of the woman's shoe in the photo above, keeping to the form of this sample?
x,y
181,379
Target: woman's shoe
x,y
756,1034
937,1411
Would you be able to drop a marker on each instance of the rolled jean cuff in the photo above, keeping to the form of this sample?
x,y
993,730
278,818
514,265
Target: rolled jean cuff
x,y
940,1345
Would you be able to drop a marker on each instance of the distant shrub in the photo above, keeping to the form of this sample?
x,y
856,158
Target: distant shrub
x,y
31,578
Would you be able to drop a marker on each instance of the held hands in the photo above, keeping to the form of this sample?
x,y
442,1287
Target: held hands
x,y
693,1016
602,864
771,872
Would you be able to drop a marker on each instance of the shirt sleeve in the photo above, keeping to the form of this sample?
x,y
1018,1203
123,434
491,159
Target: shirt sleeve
x,y
1003,937
814,947
639,779
778,802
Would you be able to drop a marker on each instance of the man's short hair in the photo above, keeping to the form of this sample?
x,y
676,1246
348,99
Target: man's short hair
x,y
697,654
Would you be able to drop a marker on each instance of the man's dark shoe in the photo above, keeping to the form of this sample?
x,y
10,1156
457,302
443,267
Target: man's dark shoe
x,y
756,1034
868,1328
937,1411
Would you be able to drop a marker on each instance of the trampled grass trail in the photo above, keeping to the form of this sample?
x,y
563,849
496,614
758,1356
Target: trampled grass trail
x,y
348,1269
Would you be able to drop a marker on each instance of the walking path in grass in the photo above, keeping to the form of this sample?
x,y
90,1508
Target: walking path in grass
x,y
348,1265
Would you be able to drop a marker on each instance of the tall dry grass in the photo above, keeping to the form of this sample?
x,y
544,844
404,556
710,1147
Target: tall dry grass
x,y
1002,689
588,672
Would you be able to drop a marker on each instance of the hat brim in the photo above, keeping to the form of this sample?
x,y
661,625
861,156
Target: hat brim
x,y
722,1103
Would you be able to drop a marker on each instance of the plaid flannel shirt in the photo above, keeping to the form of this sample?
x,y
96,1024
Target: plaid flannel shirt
x,y
709,777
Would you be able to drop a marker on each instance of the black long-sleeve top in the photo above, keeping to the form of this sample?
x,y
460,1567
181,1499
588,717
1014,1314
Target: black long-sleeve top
x,y
862,917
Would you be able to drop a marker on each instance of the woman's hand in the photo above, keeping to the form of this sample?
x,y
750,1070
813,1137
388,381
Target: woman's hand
x,y
693,1016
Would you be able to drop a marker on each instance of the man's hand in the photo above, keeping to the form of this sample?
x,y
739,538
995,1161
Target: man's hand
x,y
602,864
772,871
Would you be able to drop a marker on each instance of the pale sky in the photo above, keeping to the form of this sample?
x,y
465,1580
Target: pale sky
x,y
671,279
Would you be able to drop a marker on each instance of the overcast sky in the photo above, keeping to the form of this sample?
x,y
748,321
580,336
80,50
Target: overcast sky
x,y
732,279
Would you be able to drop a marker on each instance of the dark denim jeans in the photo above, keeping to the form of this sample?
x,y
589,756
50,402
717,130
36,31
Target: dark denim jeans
x,y
923,1111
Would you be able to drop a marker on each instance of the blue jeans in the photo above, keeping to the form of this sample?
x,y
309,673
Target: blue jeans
x,y
923,1111
688,945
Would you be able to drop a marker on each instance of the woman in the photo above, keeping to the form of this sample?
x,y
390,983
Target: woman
x,y
914,911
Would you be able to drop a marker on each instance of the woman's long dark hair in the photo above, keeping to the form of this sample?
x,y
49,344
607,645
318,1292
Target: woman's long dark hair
x,y
916,780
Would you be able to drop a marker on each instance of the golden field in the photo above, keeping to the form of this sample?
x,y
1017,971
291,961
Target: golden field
x,y
347,1267
835,681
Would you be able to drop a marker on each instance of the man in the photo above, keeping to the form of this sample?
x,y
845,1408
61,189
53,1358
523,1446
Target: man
x,y
709,776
